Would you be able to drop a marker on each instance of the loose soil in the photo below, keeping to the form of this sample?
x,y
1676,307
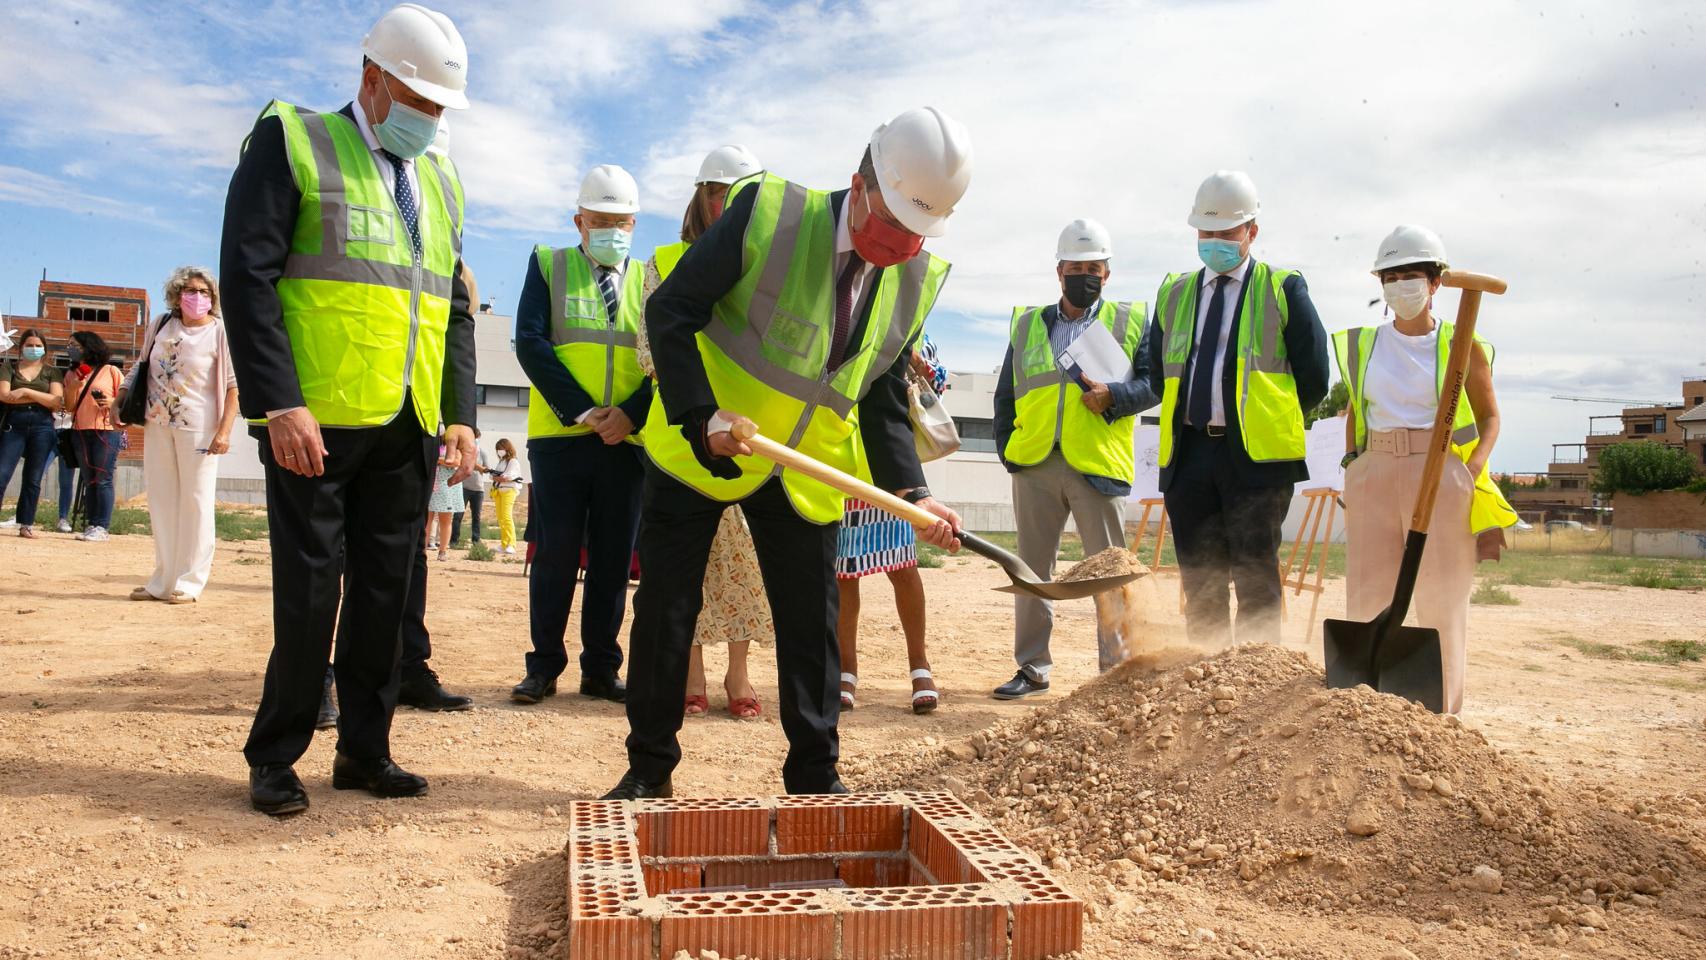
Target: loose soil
x,y
1292,822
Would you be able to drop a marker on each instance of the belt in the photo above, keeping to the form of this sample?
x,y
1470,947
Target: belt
x,y
1400,443
1212,430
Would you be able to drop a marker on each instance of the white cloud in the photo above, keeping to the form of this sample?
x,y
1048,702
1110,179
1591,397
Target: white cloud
x,y
29,188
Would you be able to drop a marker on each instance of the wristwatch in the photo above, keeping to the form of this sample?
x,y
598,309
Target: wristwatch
x,y
916,494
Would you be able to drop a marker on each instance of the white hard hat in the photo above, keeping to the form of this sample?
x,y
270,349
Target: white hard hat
x,y
728,163
1084,240
1408,244
609,189
923,164
1225,200
421,48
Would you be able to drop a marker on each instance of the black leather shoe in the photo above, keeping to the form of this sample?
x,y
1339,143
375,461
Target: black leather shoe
x,y
533,688
423,692
1019,687
379,776
328,717
275,790
604,686
631,787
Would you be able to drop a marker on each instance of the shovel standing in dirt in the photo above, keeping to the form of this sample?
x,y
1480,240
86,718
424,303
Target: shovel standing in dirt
x,y
1023,578
1383,653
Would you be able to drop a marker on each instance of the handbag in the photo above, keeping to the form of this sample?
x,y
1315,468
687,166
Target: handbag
x,y
135,406
933,430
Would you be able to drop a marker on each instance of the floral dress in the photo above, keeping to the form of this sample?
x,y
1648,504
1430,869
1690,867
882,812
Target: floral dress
x,y
732,578
445,498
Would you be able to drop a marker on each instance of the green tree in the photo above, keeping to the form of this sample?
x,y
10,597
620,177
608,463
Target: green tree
x,y
1638,466
1333,404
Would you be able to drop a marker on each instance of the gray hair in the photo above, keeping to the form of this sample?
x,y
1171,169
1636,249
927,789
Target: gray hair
x,y
183,275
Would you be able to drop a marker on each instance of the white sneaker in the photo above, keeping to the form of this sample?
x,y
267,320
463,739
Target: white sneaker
x,y
95,535
509,550
432,544
64,526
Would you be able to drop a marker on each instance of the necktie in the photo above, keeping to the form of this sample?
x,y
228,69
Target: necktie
x,y
1201,409
607,286
405,201
843,309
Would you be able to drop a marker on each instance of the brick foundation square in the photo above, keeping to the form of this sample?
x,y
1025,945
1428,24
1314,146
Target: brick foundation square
x,y
887,876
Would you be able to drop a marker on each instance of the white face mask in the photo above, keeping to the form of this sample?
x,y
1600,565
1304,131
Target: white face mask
x,y
1407,298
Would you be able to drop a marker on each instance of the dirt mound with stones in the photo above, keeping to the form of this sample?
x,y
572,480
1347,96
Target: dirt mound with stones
x,y
1241,775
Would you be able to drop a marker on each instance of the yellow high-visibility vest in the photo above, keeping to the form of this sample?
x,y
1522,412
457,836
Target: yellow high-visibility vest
x,y
599,350
1048,408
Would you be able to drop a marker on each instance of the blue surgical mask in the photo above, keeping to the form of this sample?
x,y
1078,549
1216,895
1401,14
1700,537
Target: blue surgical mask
x,y
34,353
1220,256
608,245
405,131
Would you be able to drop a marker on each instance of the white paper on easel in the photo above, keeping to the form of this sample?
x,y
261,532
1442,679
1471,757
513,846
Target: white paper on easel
x,y
1095,353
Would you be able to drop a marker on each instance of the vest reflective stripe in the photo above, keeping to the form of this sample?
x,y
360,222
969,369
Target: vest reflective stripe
x,y
766,350
1354,348
667,256
601,353
1048,409
1270,419
366,322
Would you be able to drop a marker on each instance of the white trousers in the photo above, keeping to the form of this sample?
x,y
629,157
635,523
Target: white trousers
x,y
180,485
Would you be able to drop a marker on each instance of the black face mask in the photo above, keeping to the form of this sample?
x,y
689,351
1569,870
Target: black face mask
x,y
1082,289
74,353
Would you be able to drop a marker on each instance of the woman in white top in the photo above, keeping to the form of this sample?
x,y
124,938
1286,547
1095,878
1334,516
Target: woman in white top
x,y
191,406
506,485
1393,372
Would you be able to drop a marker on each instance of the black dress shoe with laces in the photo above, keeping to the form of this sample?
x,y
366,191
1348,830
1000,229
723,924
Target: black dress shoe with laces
x,y
422,691
328,718
1022,685
533,688
632,787
604,686
275,790
378,776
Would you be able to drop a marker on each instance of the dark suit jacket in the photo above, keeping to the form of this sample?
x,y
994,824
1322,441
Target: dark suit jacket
x,y
562,392
260,218
1129,399
681,307
1305,346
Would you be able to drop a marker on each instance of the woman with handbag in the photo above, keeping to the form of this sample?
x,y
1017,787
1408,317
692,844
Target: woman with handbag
x,y
872,541
91,389
184,392
30,394
730,616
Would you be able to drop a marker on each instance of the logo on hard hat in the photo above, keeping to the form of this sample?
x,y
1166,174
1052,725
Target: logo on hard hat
x,y
609,197
920,204
452,64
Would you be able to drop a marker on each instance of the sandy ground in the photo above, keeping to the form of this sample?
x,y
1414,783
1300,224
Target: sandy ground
x,y
123,808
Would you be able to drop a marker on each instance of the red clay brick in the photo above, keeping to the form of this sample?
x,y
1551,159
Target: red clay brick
x,y
949,928
849,829
1047,928
675,877
683,828
760,874
877,872
936,855
610,938
796,926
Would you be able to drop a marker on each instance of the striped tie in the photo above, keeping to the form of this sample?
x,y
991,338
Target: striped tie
x,y
607,286
843,309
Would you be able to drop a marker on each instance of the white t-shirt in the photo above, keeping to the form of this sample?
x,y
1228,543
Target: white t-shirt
x,y
182,391
509,474
1402,386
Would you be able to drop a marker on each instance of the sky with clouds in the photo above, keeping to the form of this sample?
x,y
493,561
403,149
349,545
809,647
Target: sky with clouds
x,y
1560,145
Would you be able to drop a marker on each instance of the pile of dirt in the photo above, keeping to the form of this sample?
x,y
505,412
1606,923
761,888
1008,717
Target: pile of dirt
x,y
1240,774
1112,562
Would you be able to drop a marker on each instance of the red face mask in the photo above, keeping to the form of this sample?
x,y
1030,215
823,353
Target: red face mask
x,y
882,244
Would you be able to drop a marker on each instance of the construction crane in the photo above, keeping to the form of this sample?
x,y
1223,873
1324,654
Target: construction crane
x,y
1624,402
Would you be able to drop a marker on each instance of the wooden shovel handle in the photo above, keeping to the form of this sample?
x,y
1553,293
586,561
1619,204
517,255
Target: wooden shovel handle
x,y
1451,387
747,432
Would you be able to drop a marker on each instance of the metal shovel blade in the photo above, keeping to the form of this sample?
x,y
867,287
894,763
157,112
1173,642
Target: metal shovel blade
x,y
1405,662
1025,580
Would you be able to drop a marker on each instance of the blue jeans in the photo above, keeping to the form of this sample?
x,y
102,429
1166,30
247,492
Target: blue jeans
x,y
67,480
97,455
28,437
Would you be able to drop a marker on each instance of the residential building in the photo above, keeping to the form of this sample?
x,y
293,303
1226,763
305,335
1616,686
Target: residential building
x,y
1568,489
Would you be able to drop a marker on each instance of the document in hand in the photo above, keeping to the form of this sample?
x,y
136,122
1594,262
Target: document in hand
x,y
1095,353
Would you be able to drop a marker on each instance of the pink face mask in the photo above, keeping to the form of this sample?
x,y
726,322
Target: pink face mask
x,y
195,305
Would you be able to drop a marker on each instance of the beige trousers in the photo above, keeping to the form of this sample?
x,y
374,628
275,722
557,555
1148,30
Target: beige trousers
x,y
1380,496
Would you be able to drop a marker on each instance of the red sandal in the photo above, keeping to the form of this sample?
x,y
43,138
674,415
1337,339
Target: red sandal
x,y
745,708
697,705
